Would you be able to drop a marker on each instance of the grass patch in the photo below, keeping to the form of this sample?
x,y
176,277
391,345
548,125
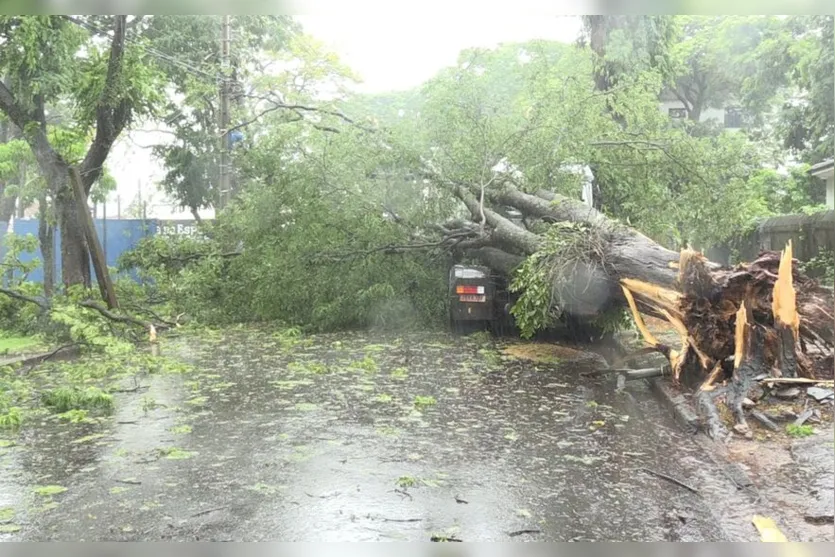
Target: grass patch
x,y
406,481
290,338
197,400
64,399
800,430
11,344
88,438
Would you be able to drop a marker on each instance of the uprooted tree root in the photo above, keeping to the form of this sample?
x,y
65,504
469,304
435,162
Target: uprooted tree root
x,y
761,319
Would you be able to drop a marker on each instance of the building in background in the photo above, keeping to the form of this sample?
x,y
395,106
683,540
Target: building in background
x,y
729,116
825,171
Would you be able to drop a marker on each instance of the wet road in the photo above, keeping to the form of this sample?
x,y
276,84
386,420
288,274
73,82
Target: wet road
x,y
354,438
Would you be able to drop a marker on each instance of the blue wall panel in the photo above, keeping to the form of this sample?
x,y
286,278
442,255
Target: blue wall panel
x,y
116,237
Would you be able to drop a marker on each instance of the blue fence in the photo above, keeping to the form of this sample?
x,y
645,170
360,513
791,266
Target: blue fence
x,y
116,237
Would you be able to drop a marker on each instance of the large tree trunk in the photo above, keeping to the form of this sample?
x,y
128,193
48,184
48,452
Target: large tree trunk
x,y
763,317
75,257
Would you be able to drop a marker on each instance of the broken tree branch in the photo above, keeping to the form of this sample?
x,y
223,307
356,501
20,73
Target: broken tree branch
x,y
670,479
42,302
121,318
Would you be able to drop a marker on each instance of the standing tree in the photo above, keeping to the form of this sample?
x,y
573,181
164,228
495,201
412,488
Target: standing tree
x,y
56,59
807,118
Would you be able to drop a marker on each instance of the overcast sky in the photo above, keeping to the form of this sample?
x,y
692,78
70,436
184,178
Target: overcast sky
x,y
398,53
388,52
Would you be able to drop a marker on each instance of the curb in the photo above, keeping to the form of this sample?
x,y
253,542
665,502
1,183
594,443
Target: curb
x,y
689,421
684,414
34,359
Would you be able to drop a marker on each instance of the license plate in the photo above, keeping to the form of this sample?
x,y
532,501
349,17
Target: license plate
x,y
472,298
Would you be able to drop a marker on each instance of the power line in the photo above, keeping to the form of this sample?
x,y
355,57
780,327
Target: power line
x,y
183,65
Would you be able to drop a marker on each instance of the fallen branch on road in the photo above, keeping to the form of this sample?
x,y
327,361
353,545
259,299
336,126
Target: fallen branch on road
x,y
520,532
670,479
121,318
207,511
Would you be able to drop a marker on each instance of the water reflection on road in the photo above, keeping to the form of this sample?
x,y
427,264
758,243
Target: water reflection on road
x,y
370,437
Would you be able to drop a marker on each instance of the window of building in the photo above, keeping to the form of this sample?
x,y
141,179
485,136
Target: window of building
x,y
733,117
678,113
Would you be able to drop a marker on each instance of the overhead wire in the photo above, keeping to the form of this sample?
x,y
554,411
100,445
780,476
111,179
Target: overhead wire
x,y
183,65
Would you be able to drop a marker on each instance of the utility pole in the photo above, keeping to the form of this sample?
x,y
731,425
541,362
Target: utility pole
x,y
225,41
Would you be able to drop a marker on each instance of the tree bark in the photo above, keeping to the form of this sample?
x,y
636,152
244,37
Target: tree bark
x,y
75,257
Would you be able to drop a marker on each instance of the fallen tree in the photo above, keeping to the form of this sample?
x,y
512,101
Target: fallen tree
x,y
734,324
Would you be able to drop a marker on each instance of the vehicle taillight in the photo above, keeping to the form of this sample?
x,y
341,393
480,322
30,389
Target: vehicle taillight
x,y
469,289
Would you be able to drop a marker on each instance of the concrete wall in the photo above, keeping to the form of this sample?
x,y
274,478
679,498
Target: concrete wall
x,y
810,234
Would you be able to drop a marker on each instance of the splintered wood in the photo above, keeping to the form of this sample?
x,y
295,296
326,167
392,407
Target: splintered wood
x,y
708,385
786,318
649,338
784,302
656,296
741,337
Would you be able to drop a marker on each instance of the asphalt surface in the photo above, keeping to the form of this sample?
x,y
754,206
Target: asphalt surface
x,y
371,437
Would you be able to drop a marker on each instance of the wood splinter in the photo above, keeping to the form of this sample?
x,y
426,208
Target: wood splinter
x,y
786,318
708,385
748,362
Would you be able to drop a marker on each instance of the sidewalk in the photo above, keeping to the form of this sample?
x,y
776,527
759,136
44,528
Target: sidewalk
x,y
36,358
797,476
